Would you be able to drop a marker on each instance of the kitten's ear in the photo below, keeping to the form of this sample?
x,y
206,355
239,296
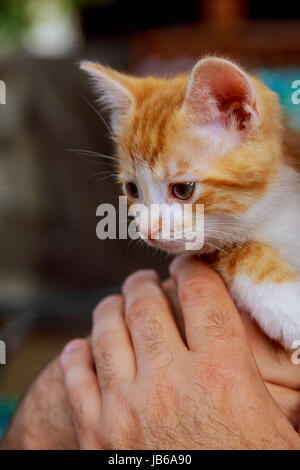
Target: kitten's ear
x,y
221,94
116,89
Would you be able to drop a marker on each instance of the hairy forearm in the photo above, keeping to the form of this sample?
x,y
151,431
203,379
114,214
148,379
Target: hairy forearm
x,y
43,420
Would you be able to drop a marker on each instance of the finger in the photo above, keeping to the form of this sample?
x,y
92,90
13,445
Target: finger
x,y
276,365
111,344
148,315
288,401
82,389
210,316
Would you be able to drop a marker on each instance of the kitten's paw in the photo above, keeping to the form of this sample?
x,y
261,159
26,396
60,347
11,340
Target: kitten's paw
x,y
275,307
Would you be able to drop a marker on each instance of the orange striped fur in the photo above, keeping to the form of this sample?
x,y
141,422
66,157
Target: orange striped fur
x,y
224,130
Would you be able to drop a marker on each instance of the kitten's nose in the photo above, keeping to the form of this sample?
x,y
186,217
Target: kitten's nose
x,y
150,230
153,235
150,235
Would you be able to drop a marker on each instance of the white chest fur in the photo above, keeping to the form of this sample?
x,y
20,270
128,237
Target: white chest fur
x,y
277,217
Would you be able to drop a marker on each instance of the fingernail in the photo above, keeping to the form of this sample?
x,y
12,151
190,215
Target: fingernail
x,y
108,300
137,276
72,346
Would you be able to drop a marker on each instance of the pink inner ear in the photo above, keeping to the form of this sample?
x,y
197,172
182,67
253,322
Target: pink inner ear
x,y
220,91
234,107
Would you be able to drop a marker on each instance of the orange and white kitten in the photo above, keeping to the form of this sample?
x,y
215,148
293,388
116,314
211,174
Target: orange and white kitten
x,y
217,136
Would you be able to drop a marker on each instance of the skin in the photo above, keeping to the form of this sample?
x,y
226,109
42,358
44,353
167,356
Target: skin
x,y
137,368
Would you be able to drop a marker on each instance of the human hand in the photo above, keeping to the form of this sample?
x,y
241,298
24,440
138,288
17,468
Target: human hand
x,y
43,420
151,390
280,374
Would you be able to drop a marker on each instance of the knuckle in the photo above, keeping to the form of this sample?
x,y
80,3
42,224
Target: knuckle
x,y
156,346
200,287
104,349
216,322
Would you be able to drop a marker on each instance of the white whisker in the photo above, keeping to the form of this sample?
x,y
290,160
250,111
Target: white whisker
x,y
109,173
91,153
102,119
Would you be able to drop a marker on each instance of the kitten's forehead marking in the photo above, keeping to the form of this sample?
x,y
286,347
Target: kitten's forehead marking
x,y
166,170
180,169
150,182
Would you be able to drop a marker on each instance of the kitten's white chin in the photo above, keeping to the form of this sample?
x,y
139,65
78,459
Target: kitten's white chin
x,y
181,246
175,247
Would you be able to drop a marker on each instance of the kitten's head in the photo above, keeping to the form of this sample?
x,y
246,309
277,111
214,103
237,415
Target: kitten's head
x,y
211,137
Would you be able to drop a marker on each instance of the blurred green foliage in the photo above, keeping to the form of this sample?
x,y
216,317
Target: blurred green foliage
x,y
15,17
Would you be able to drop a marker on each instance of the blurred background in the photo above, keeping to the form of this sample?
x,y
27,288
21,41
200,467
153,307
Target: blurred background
x,y
53,269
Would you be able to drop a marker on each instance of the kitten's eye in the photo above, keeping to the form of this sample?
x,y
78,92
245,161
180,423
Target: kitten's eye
x,y
183,191
131,190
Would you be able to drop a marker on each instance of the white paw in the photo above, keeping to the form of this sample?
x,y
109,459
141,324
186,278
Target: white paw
x,y
275,307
